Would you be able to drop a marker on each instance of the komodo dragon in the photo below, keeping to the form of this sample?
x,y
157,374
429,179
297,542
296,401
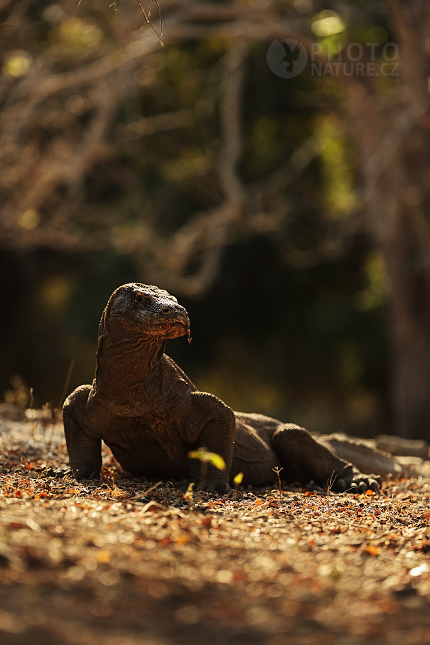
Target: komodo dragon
x,y
151,415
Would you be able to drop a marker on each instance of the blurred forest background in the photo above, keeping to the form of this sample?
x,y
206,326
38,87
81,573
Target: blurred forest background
x,y
290,216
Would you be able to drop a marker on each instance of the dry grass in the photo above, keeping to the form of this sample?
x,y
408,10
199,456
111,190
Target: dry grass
x,y
128,561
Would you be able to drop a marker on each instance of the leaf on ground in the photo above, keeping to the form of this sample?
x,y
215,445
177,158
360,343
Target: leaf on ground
x,y
104,556
372,550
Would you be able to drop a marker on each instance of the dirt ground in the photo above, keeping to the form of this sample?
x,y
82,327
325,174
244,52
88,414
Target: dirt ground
x,y
130,561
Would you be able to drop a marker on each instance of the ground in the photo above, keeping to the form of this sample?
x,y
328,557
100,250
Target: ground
x,y
131,561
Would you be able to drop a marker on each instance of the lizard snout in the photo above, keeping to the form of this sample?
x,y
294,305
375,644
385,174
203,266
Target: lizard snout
x,y
176,321
176,314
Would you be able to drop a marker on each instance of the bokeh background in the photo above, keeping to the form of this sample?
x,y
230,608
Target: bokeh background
x,y
290,216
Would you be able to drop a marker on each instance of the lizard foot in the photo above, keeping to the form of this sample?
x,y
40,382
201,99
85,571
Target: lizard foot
x,y
358,483
222,489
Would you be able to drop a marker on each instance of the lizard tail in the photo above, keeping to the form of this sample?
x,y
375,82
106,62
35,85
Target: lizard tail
x,y
368,460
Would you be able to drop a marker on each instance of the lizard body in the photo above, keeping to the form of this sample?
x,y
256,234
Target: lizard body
x,y
147,410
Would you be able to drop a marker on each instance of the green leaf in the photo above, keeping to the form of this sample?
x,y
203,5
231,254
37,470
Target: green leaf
x,y
216,460
211,457
238,479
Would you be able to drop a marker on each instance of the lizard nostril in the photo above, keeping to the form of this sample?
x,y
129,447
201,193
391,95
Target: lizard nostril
x,y
165,310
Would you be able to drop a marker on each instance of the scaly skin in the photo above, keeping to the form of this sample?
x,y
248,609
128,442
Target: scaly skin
x,y
143,406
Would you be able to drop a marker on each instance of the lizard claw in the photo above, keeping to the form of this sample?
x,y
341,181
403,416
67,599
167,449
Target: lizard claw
x,y
352,481
375,485
362,487
340,485
360,484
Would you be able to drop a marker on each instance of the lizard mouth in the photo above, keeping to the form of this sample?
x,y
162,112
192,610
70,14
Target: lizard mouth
x,y
176,322
172,328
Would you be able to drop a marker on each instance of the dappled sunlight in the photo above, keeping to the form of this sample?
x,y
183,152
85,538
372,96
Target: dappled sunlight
x,y
29,219
79,35
56,292
338,165
328,23
18,64
378,285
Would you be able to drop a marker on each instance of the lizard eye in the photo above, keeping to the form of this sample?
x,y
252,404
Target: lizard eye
x,y
138,299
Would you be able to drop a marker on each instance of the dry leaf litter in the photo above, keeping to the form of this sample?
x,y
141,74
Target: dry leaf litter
x,y
126,561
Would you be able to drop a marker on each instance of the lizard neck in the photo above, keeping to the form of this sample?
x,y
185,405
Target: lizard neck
x,y
126,367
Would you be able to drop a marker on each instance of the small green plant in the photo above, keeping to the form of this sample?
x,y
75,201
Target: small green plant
x,y
238,479
206,458
188,495
32,418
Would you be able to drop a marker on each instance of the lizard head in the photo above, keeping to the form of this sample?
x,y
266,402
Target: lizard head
x,y
148,310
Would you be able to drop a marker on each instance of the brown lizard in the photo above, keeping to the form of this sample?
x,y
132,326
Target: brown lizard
x,y
147,410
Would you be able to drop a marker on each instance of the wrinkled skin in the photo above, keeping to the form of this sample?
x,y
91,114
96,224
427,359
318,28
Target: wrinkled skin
x,y
145,408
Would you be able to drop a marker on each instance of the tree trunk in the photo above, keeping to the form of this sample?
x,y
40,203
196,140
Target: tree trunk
x,y
392,135
402,244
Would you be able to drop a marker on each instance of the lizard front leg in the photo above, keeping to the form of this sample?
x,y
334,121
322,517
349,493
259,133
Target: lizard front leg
x,y
84,450
210,424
